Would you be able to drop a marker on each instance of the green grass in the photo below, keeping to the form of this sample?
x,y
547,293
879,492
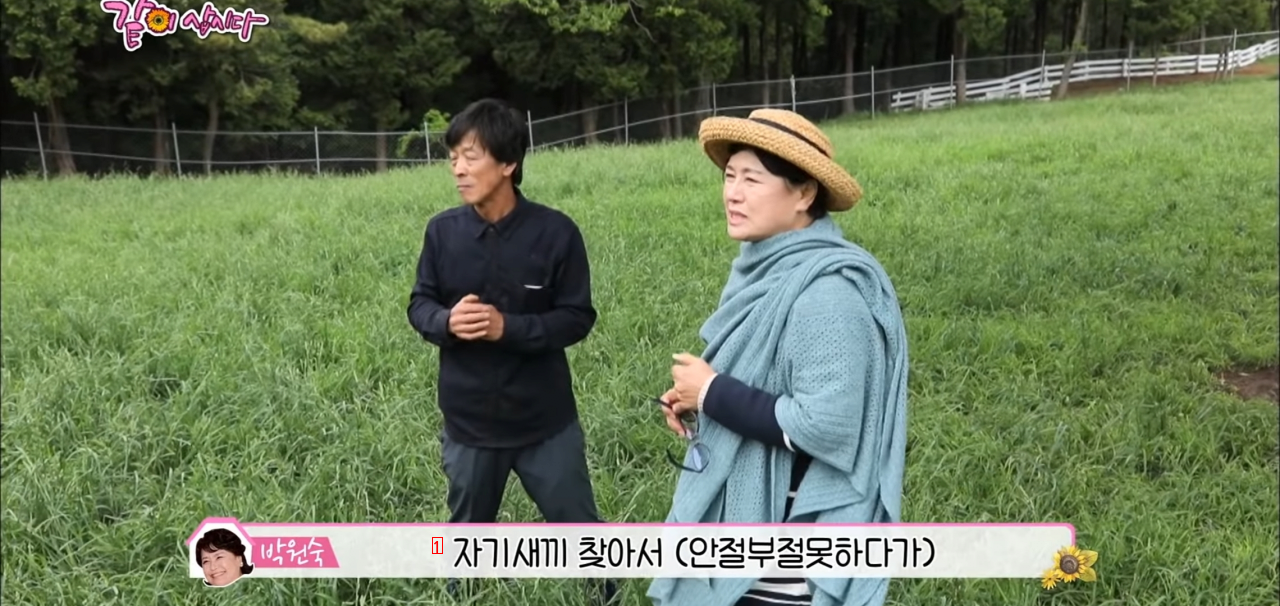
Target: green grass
x,y
1071,274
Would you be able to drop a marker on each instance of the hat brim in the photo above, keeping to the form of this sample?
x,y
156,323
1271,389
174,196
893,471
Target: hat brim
x,y
718,134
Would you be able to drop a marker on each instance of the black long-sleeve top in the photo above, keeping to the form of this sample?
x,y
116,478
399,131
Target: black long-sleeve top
x,y
749,412
532,266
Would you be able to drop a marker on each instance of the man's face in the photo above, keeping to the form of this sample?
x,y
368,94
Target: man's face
x,y
221,567
475,172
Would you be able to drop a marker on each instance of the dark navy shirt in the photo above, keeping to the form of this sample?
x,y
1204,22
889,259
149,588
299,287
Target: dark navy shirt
x,y
532,267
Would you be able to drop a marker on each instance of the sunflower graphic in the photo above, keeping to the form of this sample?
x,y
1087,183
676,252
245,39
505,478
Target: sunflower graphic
x,y
1070,564
158,20
1050,579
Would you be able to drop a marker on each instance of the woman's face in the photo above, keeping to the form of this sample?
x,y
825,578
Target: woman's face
x,y
221,567
759,204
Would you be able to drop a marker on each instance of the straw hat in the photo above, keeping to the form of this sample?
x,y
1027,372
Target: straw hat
x,y
789,136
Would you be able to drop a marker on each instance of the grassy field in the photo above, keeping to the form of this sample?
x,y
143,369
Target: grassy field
x,y
1072,273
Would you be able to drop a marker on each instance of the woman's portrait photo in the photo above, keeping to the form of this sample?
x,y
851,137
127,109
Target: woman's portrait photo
x,y
223,557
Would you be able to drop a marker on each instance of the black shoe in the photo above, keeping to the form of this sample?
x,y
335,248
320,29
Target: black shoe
x,y
453,587
604,593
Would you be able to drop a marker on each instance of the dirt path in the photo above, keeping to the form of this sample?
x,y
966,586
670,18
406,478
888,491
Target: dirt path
x,y
1259,384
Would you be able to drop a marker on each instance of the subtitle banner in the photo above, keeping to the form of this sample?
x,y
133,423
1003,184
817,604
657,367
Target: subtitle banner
x,y
637,550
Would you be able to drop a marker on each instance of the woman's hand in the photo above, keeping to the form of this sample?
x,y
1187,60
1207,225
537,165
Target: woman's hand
x,y
689,374
672,413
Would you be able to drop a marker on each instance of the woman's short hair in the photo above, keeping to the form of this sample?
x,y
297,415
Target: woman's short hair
x,y
792,173
225,540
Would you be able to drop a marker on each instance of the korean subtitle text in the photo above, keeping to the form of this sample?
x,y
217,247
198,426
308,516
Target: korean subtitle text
x,y
619,552
293,552
508,552
797,553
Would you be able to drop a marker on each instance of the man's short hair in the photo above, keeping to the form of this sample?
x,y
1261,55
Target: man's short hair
x,y
498,127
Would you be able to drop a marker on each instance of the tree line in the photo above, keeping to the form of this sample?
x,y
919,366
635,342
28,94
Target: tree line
x,y
381,65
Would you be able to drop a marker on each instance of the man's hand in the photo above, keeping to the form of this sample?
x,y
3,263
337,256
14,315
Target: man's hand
x,y
496,323
469,319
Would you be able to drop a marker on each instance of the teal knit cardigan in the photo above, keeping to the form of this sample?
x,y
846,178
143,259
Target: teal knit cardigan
x,y
814,318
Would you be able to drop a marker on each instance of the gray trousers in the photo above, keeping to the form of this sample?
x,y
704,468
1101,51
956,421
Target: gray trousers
x,y
553,473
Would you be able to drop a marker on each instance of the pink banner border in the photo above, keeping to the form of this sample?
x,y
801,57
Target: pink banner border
x,y
245,526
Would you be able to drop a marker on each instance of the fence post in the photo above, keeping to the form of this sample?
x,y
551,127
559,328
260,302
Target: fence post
x,y
873,92
1155,71
528,120
714,107
1198,53
44,166
1232,56
426,139
952,89
793,92
1044,71
1220,63
316,134
1128,67
177,155
626,119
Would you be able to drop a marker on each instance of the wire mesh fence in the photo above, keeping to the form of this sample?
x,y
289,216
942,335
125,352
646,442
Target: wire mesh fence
x,y
27,145
102,149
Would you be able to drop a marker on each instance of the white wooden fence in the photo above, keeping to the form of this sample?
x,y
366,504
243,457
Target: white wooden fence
x,y
1039,83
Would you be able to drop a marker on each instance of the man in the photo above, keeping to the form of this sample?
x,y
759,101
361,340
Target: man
x,y
503,288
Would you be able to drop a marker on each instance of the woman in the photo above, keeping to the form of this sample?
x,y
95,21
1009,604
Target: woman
x,y
221,555
800,395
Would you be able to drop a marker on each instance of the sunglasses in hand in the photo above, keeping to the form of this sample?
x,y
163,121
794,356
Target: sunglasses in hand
x,y
698,454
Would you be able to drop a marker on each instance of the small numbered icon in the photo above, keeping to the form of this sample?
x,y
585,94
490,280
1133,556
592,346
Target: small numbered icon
x,y
437,545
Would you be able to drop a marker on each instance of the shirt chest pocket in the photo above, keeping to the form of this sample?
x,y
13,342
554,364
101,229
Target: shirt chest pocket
x,y
531,286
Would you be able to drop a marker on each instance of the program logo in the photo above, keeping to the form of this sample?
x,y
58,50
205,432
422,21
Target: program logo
x,y
133,19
